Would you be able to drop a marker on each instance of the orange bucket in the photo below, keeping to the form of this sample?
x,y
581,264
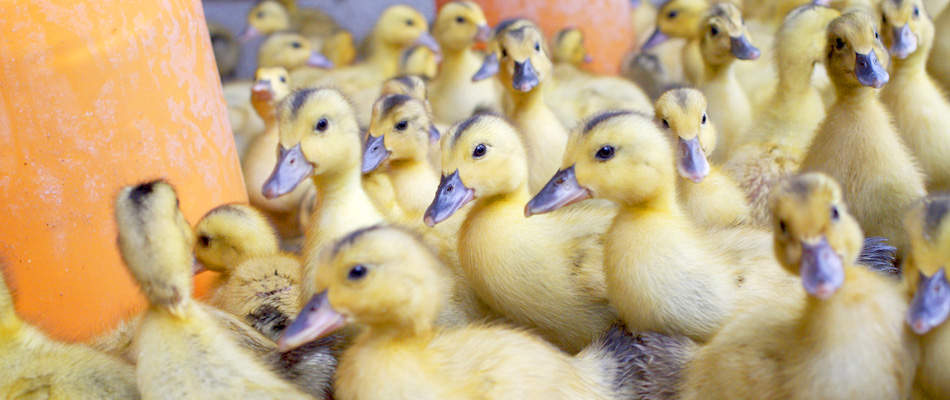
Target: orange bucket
x,y
95,95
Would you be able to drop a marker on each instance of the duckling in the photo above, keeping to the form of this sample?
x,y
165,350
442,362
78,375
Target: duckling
x,y
180,353
544,272
36,366
709,196
226,49
921,110
935,7
925,270
245,123
878,173
663,274
455,96
782,129
724,40
414,86
400,354
810,350
291,51
420,61
648,71
271,16
681,19
339,47
937,65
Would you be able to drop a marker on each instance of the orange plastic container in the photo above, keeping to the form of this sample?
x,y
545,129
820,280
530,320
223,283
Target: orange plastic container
x,y
95,95
608,32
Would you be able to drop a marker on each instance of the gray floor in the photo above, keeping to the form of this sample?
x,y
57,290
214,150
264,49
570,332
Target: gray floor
x,y
356,15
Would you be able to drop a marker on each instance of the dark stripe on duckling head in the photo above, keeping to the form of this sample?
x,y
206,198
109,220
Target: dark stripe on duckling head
x,y
299,97
503,25
561,33
936,212
520,32
802,9
602,117
268,320
464,125
797,186
141,192
407,81
351,237
392,101
463,4
227,209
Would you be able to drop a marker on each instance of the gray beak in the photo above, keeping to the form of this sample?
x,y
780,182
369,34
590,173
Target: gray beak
x,y
655,39
561,191
316,319
483,34
488,69
434,134
374,153
692,163
248,34
525,77
930,306
821,269
292,168
451,196
905,42
425,39
318,60
743,49
868,70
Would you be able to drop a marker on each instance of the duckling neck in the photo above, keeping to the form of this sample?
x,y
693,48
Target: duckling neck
x,y
663,202
794,76
531,99
399,336
515,199
458,62
337,185
719,71
854,94
914,65
384,57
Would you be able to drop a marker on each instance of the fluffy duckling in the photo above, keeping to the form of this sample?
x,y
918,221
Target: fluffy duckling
x,y
724,40
928,225
180,352
877,172
291,51
937,63
271,16
921,110
810,350
36,366
414,86
400,353
339,48
662,273
419,61
455,95
708,195
546,272
681,19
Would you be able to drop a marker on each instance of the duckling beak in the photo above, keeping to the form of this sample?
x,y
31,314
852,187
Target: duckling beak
x,y
249,33
197,267
262,91
823,3
316,320
426,39
483,34
905,42
588,58
451,196
821,270
434,134
374,153
525,77
561,191
318,60
868,70
743,49
692,163
292,168
930,306
488,69
655,39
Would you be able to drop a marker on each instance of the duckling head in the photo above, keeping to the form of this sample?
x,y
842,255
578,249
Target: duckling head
x,y
459,24
419,60
491,64
265,18
410,85
339,47
524,62
815,236
725,37
382,278
928,226
569,47
906,28
271,85
856,55
676,19
618,155
319,136
229,234
399,130
682,112
402,26
482,157
290,50
802,35
155,242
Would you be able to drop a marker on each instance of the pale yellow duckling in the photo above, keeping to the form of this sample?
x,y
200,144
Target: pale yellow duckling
x,y
181,353
420,61
339,48
414,86
271,16
877,172
291,51
937,64
545,272
681,19
709,196
389,283
921,110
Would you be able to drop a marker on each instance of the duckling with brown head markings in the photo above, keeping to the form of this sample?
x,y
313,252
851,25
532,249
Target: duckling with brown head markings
x,y
181,353
921,110
709,196
856,144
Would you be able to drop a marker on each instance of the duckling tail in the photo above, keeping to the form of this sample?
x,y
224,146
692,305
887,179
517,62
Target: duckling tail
x,y
880,257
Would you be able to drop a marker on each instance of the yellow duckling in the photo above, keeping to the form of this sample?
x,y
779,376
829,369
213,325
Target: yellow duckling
x,y
725,39
921,110
681,19
811,350
708,195
386,281
937,64
181,353
414,86
545,272
662,273
877,172
272,16
339,48
291,51
928,226
419,61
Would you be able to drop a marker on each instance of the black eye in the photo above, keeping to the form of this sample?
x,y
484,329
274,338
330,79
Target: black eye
x,y
296,45
357,272
884,18
479,151
704,118
916,12
782,227
713,30
839,44
402,125
876,36
321,125
260,14
283,79
460,20
204,240
834,213
504,53
672,14
537,46
410,22
666,124
605,153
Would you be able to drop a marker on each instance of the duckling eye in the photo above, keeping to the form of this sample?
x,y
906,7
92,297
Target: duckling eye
x,y
296,45
504,53
666,124
260,14
916,12
884,18
205,240
672,14
460,20
537,46
322,125
410,22
605,153
479,151
782,227
834,213
713,30
283,79
839,44
704,118
876,35
357,272
402,125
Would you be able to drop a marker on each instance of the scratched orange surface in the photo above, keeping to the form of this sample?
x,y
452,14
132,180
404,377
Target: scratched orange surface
x,y
606,24
95,95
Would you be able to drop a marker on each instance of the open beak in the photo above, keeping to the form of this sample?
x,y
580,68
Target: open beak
x,y
374,153
434,134
292,168
488,69
692,163
743,49
821,269
483,34
451,196
525,77
248,34
562,190
868,70
655,39
318,60
930,306
316,320
905,42
262,91
197,267
425,39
